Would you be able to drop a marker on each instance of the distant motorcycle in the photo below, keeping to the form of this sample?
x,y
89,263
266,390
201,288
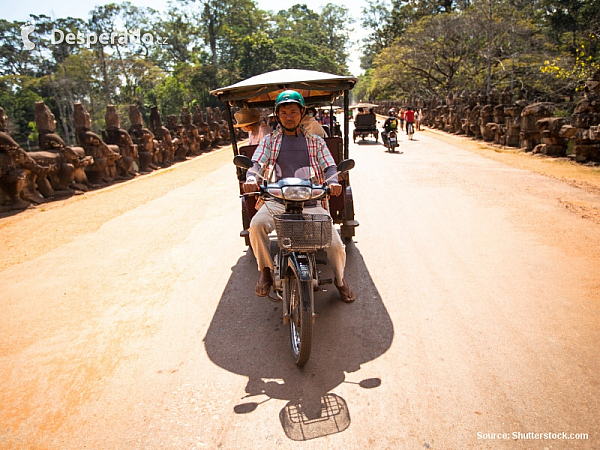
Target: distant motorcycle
x,y
392,142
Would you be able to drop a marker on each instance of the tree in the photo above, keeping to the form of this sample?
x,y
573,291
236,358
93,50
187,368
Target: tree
x,y
335,22
450,52
257,55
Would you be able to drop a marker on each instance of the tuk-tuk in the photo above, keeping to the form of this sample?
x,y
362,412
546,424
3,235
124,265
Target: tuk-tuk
x,y
319,89
364,124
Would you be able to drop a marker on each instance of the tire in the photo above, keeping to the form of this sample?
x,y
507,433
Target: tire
x,y
300,302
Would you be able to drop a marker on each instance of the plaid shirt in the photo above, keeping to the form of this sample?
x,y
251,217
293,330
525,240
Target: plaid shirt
x,y
319,157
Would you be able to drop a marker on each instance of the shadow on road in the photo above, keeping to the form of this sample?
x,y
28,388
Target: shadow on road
x,y
247,337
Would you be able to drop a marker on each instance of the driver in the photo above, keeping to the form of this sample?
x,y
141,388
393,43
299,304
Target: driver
x,y
391,124
290,151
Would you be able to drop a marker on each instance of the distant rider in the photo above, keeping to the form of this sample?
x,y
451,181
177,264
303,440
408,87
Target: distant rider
x,y
390,124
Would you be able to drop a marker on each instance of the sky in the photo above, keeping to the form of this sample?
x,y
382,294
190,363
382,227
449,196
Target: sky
x,y
20,10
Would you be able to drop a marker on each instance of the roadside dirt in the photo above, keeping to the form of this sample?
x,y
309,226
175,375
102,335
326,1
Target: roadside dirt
x,y
33,232
577,175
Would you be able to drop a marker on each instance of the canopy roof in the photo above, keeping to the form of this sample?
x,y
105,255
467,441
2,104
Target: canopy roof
x,y
364,105
261,90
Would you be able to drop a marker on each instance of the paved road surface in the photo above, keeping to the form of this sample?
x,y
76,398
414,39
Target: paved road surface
x,y
477,315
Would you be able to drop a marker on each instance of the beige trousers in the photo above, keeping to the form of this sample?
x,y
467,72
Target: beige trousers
x,y
262,224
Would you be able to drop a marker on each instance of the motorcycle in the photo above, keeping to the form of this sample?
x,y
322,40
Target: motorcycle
x,y
299,236
392,141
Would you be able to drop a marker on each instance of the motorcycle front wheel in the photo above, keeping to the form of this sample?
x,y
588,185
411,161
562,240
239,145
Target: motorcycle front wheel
x,y
301,293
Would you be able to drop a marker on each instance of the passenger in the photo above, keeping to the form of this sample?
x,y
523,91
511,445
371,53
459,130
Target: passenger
x,y
272,121
310,123
249,121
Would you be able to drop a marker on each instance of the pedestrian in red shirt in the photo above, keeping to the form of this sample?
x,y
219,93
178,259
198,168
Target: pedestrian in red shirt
x,y
410,120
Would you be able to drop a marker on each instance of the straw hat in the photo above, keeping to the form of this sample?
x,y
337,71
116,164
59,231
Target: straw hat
x,y
246,117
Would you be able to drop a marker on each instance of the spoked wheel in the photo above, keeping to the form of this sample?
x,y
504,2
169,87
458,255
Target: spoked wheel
x,y
300,319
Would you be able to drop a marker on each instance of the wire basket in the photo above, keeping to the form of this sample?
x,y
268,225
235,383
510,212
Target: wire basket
x,y
303,232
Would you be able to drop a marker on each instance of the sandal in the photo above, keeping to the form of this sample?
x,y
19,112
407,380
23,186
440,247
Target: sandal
x,y
263,290
345,291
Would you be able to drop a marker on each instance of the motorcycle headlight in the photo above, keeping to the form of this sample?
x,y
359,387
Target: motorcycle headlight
x,y
317,192
297,193
275,192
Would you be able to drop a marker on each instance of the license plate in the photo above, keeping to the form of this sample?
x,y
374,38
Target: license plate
x,y
392,140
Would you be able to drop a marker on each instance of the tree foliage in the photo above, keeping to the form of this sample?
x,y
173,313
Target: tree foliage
x,y
543,48
193,48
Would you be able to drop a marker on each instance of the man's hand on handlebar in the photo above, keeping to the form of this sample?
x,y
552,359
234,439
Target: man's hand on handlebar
x,y
335,189
250,187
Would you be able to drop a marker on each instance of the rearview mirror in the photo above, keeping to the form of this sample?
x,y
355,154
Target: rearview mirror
x,y
243,162
345,165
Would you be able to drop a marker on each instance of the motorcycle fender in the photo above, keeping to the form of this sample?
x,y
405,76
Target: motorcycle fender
x,y
301,266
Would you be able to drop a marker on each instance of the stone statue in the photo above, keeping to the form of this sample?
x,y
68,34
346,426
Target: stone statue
x,y
214,127
506,96
71,161
17,168
103,169
191,131
115,135
163,136
203,128
144,139
585,122
224,126
178,137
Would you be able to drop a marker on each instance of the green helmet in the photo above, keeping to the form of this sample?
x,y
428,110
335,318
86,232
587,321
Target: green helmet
x,y
289,96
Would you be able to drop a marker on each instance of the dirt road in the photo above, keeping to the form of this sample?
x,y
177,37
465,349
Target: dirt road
x,y
128,318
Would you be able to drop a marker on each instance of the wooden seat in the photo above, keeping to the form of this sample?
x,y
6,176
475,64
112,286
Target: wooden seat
x,y
365,122
336,147
247,150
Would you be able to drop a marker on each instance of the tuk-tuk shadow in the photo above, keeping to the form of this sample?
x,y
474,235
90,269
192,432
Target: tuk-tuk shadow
x,y
247,337
367,142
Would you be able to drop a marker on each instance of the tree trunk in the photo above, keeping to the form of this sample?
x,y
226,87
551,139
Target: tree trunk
x,y
63,119
105,75
489,53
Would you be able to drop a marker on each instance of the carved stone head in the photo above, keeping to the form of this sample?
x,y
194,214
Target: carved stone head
x,y
82,117
186,117
112,117
3,119
155,118
209,115
135,116
198,116
172,122
44,119
593,82
218,114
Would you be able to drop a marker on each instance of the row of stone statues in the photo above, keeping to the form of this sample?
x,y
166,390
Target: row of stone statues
x,y
58,170
532,127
